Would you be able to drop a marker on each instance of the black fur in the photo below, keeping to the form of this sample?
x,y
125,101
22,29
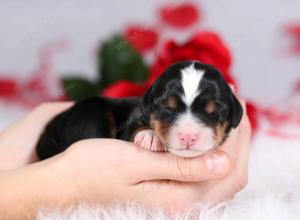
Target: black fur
x,y
94,117
99,117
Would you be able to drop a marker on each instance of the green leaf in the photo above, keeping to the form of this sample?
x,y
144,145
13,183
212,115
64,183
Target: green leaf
x,y
78,88
117,60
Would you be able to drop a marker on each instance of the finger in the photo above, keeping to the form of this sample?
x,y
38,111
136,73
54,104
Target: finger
x,y
230,145
245,119
159,166
244,136
46,111
232,87
41,115
238,177
141,165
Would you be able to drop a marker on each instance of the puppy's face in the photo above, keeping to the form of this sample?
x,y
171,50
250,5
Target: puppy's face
x,y
191,108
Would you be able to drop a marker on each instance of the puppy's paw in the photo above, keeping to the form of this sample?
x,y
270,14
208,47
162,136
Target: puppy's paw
x,y
148,140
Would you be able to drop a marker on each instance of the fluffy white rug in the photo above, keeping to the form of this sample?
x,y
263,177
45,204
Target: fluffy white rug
x,y
273,191
268,206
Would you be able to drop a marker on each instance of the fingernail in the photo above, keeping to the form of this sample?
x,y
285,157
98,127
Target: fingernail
x,y
217,164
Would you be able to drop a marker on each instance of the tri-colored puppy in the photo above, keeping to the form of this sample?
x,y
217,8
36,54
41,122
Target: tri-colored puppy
x,y
188,110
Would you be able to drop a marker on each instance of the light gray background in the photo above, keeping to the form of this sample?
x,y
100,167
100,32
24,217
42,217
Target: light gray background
x,y
252,29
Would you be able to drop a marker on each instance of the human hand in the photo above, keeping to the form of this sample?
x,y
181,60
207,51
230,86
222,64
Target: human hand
x,y
18,141
236,148
105,171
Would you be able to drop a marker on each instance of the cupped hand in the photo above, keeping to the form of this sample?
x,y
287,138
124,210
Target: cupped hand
x,y
18,141
105,171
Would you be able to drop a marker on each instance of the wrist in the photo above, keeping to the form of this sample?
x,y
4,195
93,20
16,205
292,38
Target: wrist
x,y
75,169
14,152
27,189
60,172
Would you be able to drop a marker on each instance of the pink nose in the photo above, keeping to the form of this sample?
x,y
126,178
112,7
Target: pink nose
x,y
187,139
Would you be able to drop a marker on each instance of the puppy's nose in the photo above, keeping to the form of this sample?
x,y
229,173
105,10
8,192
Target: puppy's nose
x,y
188,139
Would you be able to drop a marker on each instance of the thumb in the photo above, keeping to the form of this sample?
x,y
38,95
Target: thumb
x,y
158,166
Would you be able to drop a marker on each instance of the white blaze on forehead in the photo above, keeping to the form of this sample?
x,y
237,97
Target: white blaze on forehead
x,y
190,78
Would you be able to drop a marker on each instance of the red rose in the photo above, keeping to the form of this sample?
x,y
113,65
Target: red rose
x,y
206,47
8,87
179,16
124,88
142,39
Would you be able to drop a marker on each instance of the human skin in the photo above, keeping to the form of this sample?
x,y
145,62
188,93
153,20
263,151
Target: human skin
x,y
105,170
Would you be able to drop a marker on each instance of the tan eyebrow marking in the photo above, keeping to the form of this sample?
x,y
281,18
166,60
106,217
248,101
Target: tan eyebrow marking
x,y
172,102
210,106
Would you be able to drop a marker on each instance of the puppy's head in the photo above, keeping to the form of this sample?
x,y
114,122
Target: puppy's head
x,y
191,108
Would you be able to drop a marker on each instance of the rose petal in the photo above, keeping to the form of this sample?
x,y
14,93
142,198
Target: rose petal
x,y
206,47
142,39
252,111
179,16
211,43
8,87
124,88
294,30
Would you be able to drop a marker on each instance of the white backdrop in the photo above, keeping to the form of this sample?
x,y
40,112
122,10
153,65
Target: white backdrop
x,y
253,29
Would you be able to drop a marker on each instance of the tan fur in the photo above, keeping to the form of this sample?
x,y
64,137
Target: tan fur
x,y
210,106
220,133
172,102
160,129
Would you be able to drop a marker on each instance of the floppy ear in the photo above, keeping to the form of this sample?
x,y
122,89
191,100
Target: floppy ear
x,y
236,112
147,101
147,97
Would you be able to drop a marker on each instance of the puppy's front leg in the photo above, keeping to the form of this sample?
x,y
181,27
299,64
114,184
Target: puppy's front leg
x,y
148,140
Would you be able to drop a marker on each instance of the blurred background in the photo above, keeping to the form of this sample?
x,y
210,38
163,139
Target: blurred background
x,y
46,41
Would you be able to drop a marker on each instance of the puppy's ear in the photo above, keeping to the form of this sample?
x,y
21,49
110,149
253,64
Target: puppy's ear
x,y
147,101
236,112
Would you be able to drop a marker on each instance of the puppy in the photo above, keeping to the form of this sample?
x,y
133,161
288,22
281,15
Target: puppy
x,y
188,110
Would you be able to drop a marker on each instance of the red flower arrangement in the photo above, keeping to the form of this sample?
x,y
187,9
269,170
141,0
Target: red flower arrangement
x,y
206,47
120,77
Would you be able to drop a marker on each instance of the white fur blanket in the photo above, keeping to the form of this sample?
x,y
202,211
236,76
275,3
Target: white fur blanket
x,y
273,191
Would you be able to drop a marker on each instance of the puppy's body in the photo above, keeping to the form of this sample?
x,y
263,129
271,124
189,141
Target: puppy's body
x,y
189,109
94,117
